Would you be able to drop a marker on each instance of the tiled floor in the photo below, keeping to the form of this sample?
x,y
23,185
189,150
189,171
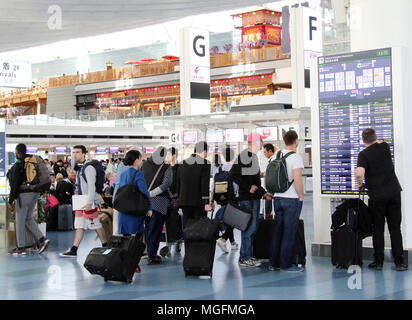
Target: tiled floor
x,y
49,277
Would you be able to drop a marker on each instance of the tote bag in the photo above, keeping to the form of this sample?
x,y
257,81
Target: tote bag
x,y
131,201
237,217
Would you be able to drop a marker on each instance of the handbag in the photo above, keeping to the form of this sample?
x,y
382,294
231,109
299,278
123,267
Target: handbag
x,y
237,217
51,202
131,201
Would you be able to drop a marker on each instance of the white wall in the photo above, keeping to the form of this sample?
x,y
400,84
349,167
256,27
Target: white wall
x,y
379,24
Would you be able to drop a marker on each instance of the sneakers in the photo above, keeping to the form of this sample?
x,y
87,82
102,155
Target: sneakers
x,y
401,267
43,245
17,252
68,254
156,260
293,269
234,246
272,268
249,263
222,245
376,265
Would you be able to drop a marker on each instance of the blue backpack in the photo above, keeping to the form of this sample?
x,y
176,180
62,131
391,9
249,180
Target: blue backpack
x,y
223,187
99,174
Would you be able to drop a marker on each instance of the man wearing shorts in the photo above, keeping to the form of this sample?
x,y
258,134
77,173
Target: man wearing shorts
x,y
87,218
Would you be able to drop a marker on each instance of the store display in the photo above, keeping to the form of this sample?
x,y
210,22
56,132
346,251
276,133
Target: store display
x,y
32,150
60,150
355,93
214,136
149,150
268,133
189,137
101,150
234,135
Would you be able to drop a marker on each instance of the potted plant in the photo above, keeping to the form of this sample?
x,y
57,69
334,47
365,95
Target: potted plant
x,y
214,50
228,47
262,42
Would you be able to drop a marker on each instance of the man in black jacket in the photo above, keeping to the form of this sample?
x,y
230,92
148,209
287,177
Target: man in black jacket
x,y
193,184
246,174
376,167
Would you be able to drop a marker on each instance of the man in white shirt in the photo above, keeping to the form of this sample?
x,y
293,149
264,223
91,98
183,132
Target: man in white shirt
x,y
288,206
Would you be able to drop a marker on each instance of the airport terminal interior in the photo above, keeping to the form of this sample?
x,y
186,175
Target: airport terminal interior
x,y
138,76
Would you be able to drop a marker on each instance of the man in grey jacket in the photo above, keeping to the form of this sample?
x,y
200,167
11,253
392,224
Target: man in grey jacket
x,y
87,218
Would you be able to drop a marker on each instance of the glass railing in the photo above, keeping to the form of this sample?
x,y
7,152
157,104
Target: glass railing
x,y
123,120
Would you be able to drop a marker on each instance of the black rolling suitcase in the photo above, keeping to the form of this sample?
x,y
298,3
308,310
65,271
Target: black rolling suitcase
x,y
299,250
263,237
200,245
118,261
346,247
65,217
346,241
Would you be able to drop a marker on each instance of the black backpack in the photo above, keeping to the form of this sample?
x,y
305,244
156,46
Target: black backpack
x,y
99,174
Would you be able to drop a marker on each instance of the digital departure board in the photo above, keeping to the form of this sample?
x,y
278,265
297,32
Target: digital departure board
x,y
355,93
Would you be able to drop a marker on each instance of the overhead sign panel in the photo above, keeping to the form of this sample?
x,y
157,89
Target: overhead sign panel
x,y
15,74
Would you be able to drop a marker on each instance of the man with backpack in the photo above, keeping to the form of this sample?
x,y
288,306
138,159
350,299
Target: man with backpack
x,y
284,179
28,177
90,181
225,191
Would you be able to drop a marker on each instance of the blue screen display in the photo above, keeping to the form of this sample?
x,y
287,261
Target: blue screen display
x,y
355,93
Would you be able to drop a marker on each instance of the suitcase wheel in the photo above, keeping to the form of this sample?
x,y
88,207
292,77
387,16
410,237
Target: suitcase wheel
x,y
105,279
164,251
129,280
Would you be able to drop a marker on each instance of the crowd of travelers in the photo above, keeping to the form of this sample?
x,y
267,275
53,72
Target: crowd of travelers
x,y
180,193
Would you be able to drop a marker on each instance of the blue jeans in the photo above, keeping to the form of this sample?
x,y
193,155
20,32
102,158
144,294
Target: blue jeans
x,y
246,247
287,221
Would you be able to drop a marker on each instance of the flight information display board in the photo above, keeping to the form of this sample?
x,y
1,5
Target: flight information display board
x,y
355,93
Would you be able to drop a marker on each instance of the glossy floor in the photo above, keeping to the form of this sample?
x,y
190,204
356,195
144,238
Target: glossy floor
x,y
47,276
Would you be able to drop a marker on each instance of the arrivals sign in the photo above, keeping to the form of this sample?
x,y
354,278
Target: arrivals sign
x,y
15,74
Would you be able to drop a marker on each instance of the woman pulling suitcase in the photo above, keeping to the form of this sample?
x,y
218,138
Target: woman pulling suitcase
x,y
128,224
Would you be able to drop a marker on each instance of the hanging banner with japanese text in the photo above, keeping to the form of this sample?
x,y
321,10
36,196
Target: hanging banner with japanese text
x,y
15,74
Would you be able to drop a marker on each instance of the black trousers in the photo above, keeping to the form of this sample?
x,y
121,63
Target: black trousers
x,y
192,214
391,210
174,228
229,234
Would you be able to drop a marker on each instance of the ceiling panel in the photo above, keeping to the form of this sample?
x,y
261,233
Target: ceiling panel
x,y
24,23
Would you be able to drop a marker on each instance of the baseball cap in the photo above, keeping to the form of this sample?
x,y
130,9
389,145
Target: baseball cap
x,y
254,136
